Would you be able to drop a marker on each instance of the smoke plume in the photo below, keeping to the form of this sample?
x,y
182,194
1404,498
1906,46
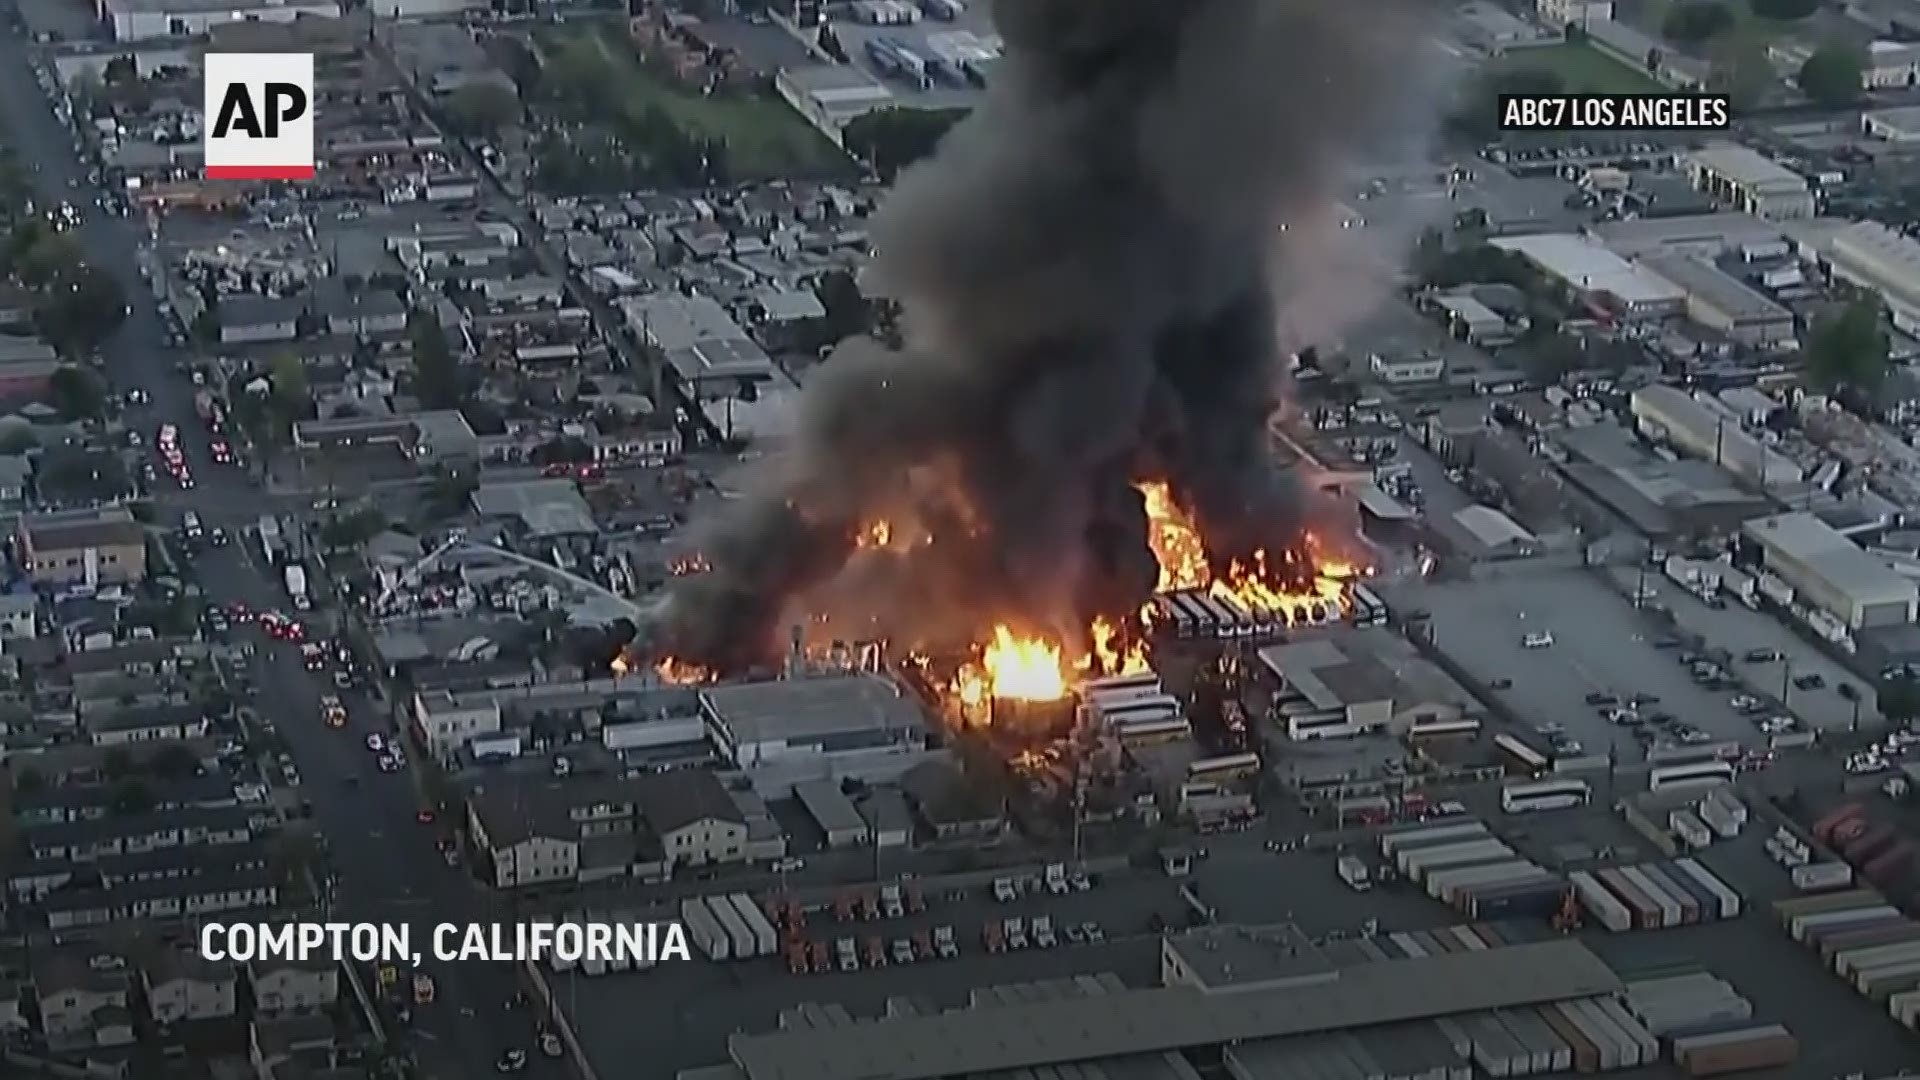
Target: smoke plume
x,y
1093,272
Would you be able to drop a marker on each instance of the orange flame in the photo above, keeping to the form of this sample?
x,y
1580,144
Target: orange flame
x,y
680,673
875,534
1108,657
1257,583
685,565
1175,539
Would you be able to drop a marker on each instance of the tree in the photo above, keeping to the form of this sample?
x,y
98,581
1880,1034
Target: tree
x,y
77,394
1848,349
1478,115
173,761
83,311
119,71
1831,76
1899,699
437,379
1691,22
1739,68
482,108
288,376
891,139
15,441
1784,10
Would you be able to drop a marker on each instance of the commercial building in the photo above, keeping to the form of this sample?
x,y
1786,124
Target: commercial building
x,y
1096,1021
446,724
823,728
1871,256
841,825
84,548
1331,687
1746,180
1597,276
1707,430
1701,236
1482,532
1891,65
1723,303
145,20
1832,573
1564,13
692,816
707,348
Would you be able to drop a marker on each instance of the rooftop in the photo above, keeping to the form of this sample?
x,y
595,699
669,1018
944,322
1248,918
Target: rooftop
x,y
546,507
1588,266
810,710
1748,167
1040,1033
1819,547
109,526
1710,285
1652,236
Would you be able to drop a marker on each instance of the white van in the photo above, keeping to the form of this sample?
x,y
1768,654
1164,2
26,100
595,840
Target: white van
x,y
1537,641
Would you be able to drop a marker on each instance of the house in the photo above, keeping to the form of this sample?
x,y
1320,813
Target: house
x,y
689,811
118,727
1559,14
148,661
364,313
274,1044
211,891
83,995
249,319
289,988
16,473
179,986
445,723
18,617
87,548
526,834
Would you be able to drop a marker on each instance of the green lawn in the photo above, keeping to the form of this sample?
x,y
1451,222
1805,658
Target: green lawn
x,y
764,136
1585,69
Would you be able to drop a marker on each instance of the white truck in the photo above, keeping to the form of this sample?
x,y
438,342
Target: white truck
x,y
765,938
891,901
296,581
1043,932
704,930
1016,931
1354,873
1056,878
943,942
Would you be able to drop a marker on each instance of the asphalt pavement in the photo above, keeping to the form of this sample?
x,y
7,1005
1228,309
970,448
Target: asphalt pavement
x,y
387,864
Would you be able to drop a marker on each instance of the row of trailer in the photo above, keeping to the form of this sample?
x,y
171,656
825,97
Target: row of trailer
x,y
1135,708
730,927
1655,896
1882,854
1862,938
1463,865
1198,614
1707,1026
1718,815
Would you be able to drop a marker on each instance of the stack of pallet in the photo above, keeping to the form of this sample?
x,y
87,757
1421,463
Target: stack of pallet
x,y
1653,896
1864,940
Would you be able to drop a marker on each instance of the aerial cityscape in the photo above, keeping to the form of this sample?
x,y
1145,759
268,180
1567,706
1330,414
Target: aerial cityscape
x,y
934,539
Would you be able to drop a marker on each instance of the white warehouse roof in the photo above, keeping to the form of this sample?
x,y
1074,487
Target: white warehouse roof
x,y
1843,564
1588,266
1872,255
1713,432
1747,167
1707,284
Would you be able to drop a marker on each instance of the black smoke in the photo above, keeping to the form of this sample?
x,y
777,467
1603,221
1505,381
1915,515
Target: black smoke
x,y
1093,270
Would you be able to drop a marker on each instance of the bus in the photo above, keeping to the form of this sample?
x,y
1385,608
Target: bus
x,y
1308,726
1149,730
1443,729
1521,758
1227,767
1544,795
1696,774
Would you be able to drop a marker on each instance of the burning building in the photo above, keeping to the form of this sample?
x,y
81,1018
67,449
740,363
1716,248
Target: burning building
x,y
1095,272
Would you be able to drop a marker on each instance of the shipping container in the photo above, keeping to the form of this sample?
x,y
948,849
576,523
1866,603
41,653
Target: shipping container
x,y
1416,864
1805,925
1404,942
1716,1053
1646,912
1692,831
1444,885
1648,1047
1493,1049
1600,903
1469,941
1786,910
1537,899
1706,902
1586,1056
1731,902
1852,963
745,946
1689,906
1551,1052
1872,935
1823,828
1626,1048
1881,983
1905,1008
1606,1048
766,938
706,932
1730,813
1424,835
1822,876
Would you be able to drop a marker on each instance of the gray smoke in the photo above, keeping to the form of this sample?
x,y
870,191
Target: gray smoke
x,y
1091,290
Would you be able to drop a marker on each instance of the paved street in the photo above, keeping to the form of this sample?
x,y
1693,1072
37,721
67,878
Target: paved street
x,y
387,864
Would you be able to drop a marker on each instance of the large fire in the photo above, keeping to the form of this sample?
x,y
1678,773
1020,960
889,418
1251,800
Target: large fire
x,y
1014,667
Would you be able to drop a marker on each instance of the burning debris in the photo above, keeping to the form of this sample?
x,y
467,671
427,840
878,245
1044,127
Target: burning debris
x,y
1093,271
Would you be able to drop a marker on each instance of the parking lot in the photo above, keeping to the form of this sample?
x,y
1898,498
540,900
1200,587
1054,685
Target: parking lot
x,y
939,94
1740,630
1600,646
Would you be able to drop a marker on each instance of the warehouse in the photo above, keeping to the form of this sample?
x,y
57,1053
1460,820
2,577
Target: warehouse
x,y
840,822
1709,432
1832,572
1723,303
790,731
1598,276
1485,533
144,20
1702,236
1874,257
831,96
1107,1020
1900,125
1746,180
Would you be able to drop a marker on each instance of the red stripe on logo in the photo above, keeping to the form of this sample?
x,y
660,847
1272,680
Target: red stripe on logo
x,y
259,172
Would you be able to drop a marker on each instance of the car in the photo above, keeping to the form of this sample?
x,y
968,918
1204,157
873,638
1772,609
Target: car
x,y
387,764
218,537
511,1061
424,816
550,1044
1501,684
375,743
1540,640
1810,682
789,865
1762,656
1848,690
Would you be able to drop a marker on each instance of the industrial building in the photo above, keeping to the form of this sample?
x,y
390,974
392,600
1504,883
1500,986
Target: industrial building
x,y
1334,686
707,348
1598,276
1706,430
1701,236
831,96
1899,126
790,731
1871,256
1723,303
1832,573
1094,1025
1484,533
841,825
1746,180
145,20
